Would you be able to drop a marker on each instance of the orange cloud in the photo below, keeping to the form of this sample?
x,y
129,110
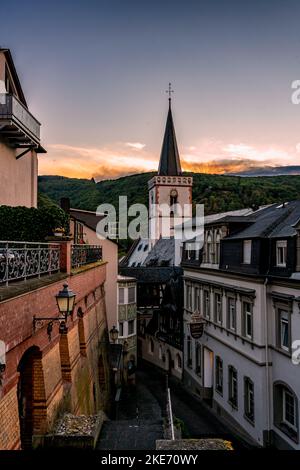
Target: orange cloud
x,y
122,159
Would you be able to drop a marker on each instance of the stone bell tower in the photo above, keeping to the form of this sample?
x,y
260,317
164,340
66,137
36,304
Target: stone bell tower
x,y
169,188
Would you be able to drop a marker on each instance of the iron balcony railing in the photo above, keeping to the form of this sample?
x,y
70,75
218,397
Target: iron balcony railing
x,y
12,109
23,260
85,254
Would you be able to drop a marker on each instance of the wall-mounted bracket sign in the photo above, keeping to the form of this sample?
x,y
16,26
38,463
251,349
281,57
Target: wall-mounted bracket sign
x,y
197,325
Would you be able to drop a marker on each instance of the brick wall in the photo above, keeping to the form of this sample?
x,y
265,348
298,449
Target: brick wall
x,y
63,371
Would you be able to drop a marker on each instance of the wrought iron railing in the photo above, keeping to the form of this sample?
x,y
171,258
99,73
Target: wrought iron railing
x,y
24,260
12,108
85,254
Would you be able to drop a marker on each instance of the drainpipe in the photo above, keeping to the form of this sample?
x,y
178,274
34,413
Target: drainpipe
x,y
267,362
267,346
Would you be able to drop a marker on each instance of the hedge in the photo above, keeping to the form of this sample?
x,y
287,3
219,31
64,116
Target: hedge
x,y
31,224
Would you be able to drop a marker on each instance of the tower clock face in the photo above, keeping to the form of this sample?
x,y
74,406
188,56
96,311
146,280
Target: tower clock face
x,y
173,193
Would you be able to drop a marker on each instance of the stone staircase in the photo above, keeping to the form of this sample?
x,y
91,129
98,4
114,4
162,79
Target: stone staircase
x,y
138,425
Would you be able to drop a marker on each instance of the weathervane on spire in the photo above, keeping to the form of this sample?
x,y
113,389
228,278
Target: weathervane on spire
x,y
170,91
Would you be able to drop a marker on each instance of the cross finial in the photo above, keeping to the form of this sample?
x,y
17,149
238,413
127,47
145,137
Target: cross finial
x,y
170,91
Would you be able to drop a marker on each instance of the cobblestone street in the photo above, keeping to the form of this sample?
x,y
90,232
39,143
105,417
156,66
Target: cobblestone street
x,y
139,422
142,408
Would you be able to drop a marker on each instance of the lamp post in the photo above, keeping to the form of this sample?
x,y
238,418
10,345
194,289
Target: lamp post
x,y
114,334
65,300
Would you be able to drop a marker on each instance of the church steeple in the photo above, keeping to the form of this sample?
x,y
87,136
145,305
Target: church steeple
x,y
169,164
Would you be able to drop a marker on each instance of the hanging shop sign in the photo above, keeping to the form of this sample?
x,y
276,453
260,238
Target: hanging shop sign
x,y
197,325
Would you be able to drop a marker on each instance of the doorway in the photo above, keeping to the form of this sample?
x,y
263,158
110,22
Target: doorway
x,y
31,396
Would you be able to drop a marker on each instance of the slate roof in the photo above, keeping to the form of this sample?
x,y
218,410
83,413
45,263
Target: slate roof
x,y
90,219
275,221
169,164
162,253
151,275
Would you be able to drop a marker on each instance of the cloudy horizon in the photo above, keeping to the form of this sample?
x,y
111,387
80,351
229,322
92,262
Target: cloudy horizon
x,y
95,74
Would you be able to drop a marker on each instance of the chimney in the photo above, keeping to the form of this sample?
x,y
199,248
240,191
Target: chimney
x,y
65,204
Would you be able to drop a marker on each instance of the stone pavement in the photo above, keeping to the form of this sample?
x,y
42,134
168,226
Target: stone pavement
x,y
139,422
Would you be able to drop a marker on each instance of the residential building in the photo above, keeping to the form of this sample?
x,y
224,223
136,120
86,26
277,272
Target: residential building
x,y
127,325
83,229
55,355
19,140
245,283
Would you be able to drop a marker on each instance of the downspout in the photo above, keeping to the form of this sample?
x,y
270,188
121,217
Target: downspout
x,y
267,362
267,348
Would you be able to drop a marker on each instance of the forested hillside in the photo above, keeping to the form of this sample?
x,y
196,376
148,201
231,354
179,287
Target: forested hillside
x,y
217,192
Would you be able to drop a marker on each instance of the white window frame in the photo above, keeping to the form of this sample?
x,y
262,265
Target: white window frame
x,y
249,394
219,375
284,319
219,311
233,384
231,310
134,332
134,296
247,313
281,247
123,328
124,300
197,299
206,303
247,251
286,421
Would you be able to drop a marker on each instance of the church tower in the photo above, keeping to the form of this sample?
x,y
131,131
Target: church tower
x,y
169,188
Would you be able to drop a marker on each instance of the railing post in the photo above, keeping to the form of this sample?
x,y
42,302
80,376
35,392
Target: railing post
x,y
65,256
25,261
6,272
39,256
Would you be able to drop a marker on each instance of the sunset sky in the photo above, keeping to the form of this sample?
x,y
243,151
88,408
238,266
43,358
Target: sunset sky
x,y
95,73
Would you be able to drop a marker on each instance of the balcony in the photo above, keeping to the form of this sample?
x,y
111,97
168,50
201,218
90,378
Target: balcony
x,y
21,261
17,125
81,255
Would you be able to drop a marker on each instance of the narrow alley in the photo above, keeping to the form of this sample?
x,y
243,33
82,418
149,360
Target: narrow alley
x,y
141,410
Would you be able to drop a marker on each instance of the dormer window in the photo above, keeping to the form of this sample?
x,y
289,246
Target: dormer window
x,y
281,252
218,241
247,248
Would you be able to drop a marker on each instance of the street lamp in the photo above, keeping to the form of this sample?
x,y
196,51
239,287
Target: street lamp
x,y
65,300
114,334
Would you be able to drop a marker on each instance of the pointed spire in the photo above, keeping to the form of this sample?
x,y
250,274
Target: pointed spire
x,y
169,164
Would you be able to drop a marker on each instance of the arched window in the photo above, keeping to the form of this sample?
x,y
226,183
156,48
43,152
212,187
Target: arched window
x,y
209,248
286,410
218,241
